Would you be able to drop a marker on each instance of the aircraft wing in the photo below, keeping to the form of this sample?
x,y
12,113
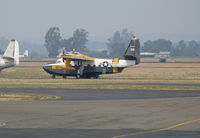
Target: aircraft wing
x,y
78,57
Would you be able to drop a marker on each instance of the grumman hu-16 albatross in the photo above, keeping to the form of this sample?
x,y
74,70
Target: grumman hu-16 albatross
x,y
11,55
82,66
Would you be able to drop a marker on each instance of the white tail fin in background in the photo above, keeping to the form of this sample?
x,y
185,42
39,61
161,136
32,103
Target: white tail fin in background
x,y
24,55
12,51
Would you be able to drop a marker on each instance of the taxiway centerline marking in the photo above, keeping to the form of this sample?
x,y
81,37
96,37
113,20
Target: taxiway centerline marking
x,y
158,130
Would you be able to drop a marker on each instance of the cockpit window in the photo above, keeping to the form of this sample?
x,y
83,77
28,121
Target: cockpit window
x,y
64,59
59,60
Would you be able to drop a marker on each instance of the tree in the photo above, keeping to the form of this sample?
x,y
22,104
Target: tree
x,y
193,49
118,42
157,46
77,42
67,44
189,49
179,49
97,54
148,46
53,41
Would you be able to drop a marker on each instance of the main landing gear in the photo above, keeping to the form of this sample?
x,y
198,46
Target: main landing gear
x,y
78,76
53,76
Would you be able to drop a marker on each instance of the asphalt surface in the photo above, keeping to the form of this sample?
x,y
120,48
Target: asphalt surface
x,y
85,113
89,133
104,84
104,94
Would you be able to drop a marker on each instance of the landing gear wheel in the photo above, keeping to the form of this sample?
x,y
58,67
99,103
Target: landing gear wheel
x,y
86,76
53,76
96,76
78,76
64,77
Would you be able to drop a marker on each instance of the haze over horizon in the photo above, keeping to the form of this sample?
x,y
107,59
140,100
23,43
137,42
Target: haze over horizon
x,y
30,20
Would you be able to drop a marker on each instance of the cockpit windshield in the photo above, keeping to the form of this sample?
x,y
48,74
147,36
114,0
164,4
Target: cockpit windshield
x,y
72,52
59,60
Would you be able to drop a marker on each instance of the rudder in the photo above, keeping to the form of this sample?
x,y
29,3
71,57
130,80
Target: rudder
x,y
133,50
12,51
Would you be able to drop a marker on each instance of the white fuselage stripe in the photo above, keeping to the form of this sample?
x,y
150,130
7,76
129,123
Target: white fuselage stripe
x,y
99,63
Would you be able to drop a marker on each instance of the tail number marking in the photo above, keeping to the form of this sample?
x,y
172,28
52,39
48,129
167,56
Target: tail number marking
x,y
132,48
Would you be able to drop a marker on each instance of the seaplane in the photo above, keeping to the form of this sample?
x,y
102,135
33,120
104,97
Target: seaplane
x,y
82,66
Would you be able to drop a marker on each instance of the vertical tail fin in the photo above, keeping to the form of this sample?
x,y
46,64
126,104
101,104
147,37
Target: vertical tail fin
x,y
26,53
133,50
12,51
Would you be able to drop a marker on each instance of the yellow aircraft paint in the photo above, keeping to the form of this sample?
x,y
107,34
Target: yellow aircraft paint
x,y
115,69
133,38
62,67
78,56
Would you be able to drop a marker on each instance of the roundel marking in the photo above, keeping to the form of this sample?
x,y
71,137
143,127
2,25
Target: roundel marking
x,y
105,64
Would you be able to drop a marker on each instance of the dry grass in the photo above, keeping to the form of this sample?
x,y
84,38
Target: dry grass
x,y
2,124
160,71
96,86
188,60
20,97
32,75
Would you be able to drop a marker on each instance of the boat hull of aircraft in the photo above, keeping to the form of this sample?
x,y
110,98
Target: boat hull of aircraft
x,y
88,71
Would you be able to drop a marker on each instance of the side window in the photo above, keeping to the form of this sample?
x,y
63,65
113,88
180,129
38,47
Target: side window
x,y
64,60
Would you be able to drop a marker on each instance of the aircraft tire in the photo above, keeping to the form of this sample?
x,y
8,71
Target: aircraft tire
x,y
53,76
97,76
78,76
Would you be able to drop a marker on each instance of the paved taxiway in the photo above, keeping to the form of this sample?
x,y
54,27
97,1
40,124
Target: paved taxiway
x,y
104,94
102,113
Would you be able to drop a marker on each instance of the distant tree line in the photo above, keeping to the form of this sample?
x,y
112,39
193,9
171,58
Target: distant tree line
x,y
157,46
186,49
180,49
54,42
116,44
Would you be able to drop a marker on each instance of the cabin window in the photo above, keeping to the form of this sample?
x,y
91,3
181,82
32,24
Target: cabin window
x,y
64,60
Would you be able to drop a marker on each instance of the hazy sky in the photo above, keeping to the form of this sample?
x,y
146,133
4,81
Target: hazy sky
x,y
29,20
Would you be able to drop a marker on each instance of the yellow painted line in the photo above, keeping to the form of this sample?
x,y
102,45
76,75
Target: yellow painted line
x,y
2,124
181,124
158,130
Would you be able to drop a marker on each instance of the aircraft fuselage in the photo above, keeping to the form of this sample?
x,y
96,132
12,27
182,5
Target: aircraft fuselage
x,y
89,68
5,63
83,66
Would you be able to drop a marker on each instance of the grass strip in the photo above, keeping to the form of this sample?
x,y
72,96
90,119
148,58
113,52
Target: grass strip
x,y
21,97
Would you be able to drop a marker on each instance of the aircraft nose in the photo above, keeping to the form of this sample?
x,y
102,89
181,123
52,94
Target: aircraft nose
x,y
47,68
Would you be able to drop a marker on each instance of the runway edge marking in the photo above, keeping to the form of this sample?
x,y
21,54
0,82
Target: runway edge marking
x,y
158,130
